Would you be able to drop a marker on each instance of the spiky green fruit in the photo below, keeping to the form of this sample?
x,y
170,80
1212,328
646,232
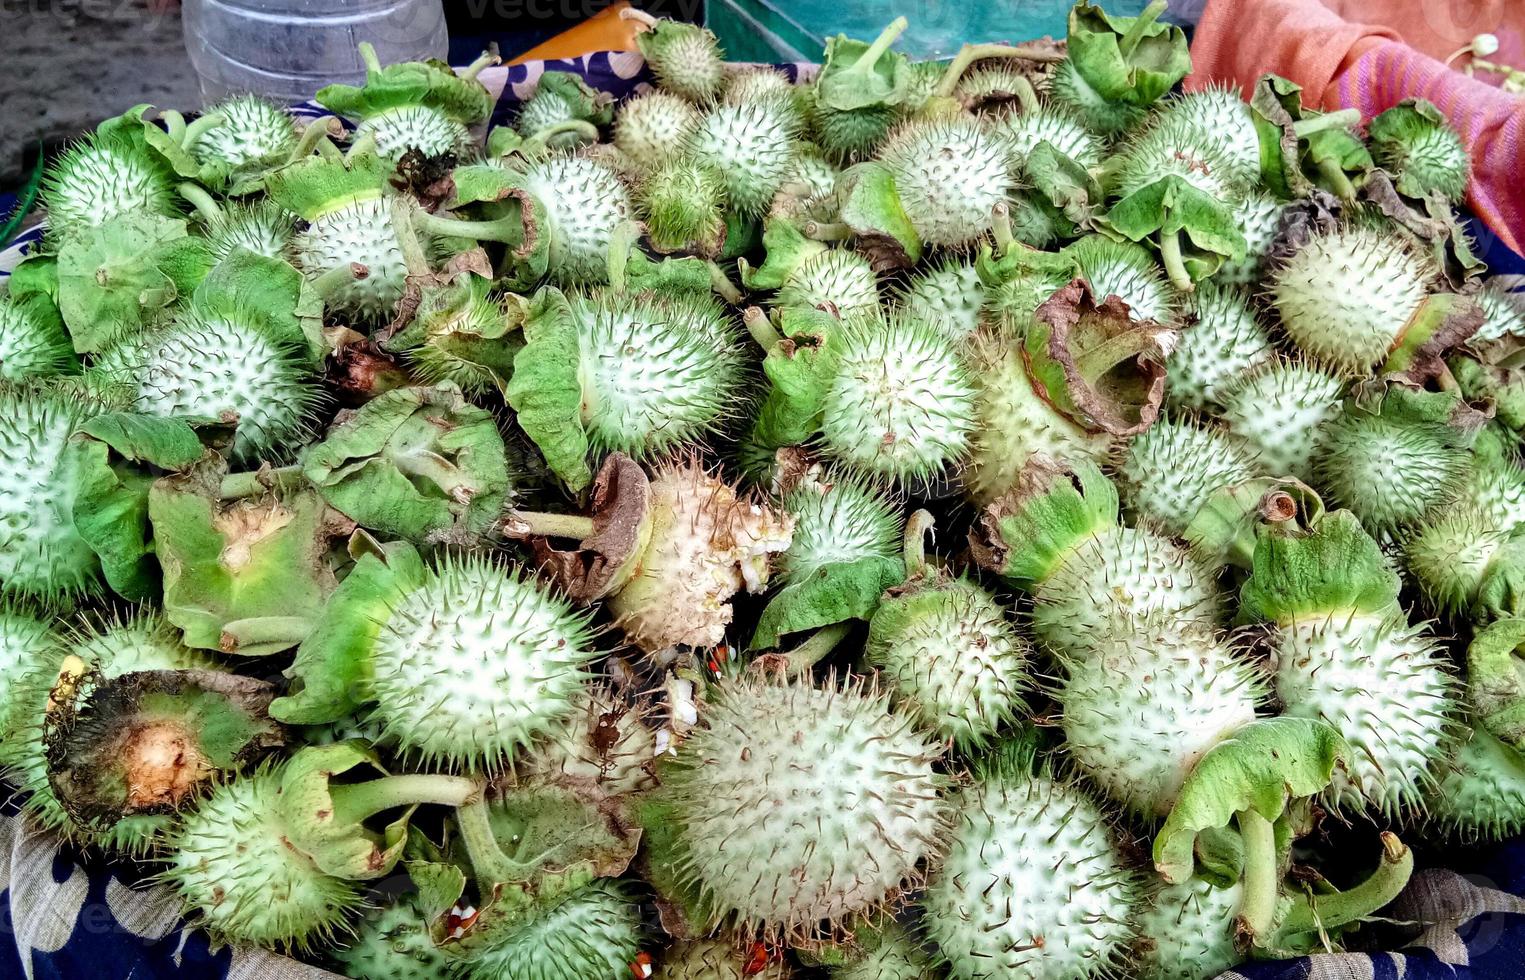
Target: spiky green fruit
x,y
893,954
681,204
656,372
653,128
1187,931
751,84
1219,115
948,294
815,175
1127,271
358,234
242,881
1222,342
255,133
34,342
1176,148
604,741
585,204
477,663
143,642
1503,314
838,278
220,365
414,127
1497,490
1414,142
595,932
950,174
1481,792
1346,296
106,176
685,58
1139,711
838,517
1170,470
559,99
264,228
42,554
1061,129
24,641
1034,885
851,134
393,944
1451,554
1382,684
900,402
951,655
1109,117
716,959
996,86
838,760
461,334
753,148
1280,411
1257,216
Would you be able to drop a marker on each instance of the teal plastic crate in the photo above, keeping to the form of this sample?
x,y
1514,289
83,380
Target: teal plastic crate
x,y
796,30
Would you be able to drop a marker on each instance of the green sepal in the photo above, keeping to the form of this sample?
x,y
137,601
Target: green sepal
x,y
166,443
743,233
1444,414
1337,159
478,183
1095,364
318,185
1067,190
1392,134
213,173
787,249
682,910
1127,59
863,74
480,350
1442,321
997,266
426,83
119,276
1501,592
1496,680
36,275
1434,224
421,464
1219,855
250,577
667,276
798,367
266,293
1289,164
833,593
1054,508
1332,567
332,839
545,390
1497,377
1225,528
331,664
1171,207
101,772
1260,768
869,205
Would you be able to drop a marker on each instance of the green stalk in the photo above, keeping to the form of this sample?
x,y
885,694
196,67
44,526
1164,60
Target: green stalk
x,y
1000,227
205,206
509,230
1319,913
485,60
620,243
437,470
237,486
1141,24
324,284
328,151
970,53
405,226
312,133
357,802
201,127
174,125
1343,119
581,127
805,656
361,146
887,37
368,55
828,231
916,531
491,866
1175,262
545,525
761,328
723,286
1339,181
1262,887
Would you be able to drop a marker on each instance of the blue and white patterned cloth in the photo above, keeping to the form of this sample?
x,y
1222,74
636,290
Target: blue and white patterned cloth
x,y
71,923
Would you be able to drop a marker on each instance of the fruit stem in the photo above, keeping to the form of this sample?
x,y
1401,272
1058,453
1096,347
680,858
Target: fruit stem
x,y
312,133
328,151
324,284
723,286
356,802
1257,912
1343,119
881,44
201,127
1141,24
761,328
508,229
970,53
236,486
406,229
916,531
642,19
543,525
438,470
581,127
828,231
805,656
1175,262
363,145
205,206
1339,181
174,124
1311,913
488,862
368,55
1000,227
484,60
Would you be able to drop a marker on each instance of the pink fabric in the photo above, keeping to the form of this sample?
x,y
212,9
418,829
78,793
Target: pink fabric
x,y
1367,65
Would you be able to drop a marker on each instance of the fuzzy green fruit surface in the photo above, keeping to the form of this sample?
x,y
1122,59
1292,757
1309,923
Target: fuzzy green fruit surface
x,y
357,234
895,954
837,518
836,278
1346,296
715,959
24,641
1108,117
1172,468
900,404
393,944
1220,117
414,127
753,148
604,741
1280,411
1034,885
685,58
1187,931
33,340
101,178
1503,314
1058,127
1223,342
264,228
949,295
1389,474
585,204
1257,216
950,174
682,207
652,128
1174,147
255,132
837,760
1127,271
595,932
1481,793
476,664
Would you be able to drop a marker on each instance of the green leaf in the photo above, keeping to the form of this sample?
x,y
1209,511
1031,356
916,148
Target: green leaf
x,y
832,594
1262,767
167,443
1026,534
798,367
1176,215
318,185
36,275
111,515
870,206
862,75
1065,186
1496,680
332,662
546,392
416,463
119,276
1129,59
787,249
317,823
249,577
411,83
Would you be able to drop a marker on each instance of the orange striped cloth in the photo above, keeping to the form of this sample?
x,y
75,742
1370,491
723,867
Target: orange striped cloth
x,y
1372,54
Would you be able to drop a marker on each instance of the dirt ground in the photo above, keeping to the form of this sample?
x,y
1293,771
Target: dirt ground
x,y
70,63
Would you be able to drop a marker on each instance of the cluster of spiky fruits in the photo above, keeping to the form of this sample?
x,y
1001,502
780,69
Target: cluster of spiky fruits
x,y
434,553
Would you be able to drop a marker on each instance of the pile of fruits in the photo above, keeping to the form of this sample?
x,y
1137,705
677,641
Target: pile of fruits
x,y
978,519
